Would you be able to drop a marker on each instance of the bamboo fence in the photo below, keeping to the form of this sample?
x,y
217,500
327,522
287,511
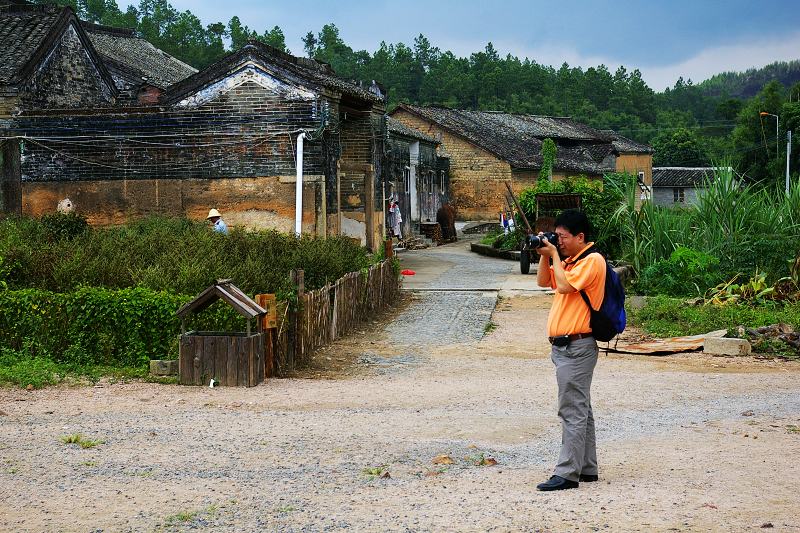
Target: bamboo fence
x,y
331,312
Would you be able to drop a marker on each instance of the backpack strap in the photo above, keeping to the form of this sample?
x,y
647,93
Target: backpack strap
x,y
586,299
591,250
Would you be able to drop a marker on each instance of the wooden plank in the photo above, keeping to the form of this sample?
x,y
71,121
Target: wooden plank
x,y
260,353
269,361
269,303
207,360
197,360
231,363
241,355
185,357
251,360
221,360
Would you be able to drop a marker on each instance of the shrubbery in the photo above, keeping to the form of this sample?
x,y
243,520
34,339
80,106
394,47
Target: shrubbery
x,y
599,198
60,253
687,272
663,316
98,326
75,299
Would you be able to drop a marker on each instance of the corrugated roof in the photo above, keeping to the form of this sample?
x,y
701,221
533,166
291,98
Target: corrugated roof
x,y
682,176
306,69
146,61
518,138
23,32
398,128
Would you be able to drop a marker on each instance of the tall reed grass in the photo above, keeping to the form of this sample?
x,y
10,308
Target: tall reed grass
x,y
745,226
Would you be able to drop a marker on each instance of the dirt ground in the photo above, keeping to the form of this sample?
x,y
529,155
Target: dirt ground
x,y
685,443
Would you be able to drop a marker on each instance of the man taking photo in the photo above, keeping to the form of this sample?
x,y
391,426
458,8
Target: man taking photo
x,y
574,351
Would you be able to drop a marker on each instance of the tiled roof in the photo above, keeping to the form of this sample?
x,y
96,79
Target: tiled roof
x,y
681,176
24,33
303,68
398,128
518,138
628,146
141,59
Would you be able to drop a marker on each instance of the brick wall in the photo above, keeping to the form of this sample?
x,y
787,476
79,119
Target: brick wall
x,y
247,132
66,78
235,153
476,176
635,163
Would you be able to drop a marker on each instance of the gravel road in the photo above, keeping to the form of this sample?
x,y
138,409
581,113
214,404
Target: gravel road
x,y
687,443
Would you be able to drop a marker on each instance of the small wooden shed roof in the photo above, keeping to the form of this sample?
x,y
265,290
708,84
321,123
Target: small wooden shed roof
x,y
227,291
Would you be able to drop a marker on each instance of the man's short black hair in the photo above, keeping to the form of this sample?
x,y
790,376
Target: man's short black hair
x,y
575,221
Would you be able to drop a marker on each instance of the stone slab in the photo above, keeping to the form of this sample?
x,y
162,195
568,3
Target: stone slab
x,y
725,346
164,367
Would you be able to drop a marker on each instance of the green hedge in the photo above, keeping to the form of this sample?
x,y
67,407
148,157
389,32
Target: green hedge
x,y
98,326
61,253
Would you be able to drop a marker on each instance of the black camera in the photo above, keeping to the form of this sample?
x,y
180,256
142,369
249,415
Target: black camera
x,y
535,241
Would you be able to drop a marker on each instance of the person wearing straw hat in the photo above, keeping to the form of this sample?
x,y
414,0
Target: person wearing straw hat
x,y
216,219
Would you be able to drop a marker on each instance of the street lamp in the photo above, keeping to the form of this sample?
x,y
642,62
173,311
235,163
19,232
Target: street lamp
x,y
777,121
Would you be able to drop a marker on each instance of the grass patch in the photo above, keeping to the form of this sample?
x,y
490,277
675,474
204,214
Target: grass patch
x,y
376,472
662,316
80,440
187,516
24,368
489,327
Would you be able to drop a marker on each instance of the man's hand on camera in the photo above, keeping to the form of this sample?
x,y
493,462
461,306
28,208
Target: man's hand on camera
x,y
547,249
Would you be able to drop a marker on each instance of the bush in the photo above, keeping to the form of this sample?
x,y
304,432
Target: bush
x,y
599,198
687,272
670,317
166,254
98,326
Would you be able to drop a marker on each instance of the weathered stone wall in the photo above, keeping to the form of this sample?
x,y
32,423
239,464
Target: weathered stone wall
x,y
255,203
246,132
235,152
67,78
476,176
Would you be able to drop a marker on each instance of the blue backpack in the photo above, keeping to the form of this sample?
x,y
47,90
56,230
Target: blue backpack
x,y
608,321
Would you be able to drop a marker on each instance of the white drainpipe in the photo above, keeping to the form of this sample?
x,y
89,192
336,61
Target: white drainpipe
x,y
298,209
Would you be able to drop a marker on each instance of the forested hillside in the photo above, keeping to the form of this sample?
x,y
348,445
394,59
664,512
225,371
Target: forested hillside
x,y
688,124
747,84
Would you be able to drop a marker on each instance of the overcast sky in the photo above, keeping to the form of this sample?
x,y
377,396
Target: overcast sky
x,y
664,39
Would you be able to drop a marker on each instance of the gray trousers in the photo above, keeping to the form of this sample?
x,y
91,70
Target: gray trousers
x,y
574,369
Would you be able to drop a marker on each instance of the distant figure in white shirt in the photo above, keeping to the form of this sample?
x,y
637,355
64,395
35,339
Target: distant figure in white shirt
x,y
216,219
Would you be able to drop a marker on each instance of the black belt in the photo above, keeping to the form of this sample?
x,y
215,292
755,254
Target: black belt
x,y
563,340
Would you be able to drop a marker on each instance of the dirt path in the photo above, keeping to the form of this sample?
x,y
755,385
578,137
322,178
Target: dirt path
x,y
686,443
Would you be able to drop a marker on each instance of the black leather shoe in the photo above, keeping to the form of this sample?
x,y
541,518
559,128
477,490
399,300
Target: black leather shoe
x,y
588,478
557,483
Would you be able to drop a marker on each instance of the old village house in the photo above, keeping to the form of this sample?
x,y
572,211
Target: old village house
x,y
99,115
488,148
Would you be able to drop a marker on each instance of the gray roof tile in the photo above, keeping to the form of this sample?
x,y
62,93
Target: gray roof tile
x,y
142,59
23,31
518,138
398,128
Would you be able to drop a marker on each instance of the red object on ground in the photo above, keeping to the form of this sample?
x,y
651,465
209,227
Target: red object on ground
x,y
407,272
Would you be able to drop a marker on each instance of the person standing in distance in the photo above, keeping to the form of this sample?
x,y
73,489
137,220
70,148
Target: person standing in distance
x,y
574,351
216,219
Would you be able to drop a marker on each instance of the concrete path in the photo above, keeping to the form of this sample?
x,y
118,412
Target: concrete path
x,y
455,267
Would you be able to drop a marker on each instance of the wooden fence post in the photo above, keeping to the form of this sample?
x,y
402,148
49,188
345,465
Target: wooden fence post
x,y
296,340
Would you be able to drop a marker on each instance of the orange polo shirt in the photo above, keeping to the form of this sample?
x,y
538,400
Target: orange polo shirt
x,y
569,313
